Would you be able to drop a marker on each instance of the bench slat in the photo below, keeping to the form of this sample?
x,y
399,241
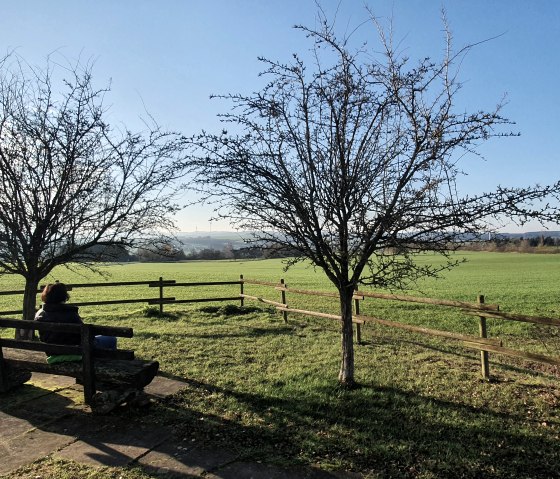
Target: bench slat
x,y
118,331
38,346
55,349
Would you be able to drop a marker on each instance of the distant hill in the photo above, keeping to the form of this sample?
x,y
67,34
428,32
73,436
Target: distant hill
x,y
532,234
216,240
233,235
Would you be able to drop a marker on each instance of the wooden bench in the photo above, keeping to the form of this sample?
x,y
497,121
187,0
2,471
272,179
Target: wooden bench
x,y
109,377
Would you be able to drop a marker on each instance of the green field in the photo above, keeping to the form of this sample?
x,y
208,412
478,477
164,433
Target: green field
x,y
522,283
269,389
519,283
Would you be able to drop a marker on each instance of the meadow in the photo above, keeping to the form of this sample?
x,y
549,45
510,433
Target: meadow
x,y
522,283
268,389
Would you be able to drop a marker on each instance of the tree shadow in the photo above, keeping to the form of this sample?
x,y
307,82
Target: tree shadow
x,y
383,431
248,332
496,360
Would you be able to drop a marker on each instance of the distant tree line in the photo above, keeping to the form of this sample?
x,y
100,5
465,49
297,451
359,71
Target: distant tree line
x,y
171,253
149,253
533,244
249,252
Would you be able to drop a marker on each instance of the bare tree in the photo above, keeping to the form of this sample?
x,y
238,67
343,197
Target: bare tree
x,y
352,163
69,182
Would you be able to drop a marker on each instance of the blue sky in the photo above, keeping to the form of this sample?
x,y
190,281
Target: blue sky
x,y
168,56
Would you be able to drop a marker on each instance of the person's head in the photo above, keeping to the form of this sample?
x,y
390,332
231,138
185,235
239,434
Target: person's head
x,y
55,293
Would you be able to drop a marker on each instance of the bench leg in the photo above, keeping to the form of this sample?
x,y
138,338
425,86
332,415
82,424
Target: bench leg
x,y
10,378
103,402
87,363
3,375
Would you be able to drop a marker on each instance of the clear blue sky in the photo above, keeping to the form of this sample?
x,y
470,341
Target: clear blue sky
x,y
168,56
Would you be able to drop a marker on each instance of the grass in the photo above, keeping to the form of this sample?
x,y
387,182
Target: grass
x,y
268,389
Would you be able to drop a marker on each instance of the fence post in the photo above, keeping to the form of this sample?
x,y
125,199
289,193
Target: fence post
x,y
160,295
485,366
242,290
358,325
358,333
357,305
284,313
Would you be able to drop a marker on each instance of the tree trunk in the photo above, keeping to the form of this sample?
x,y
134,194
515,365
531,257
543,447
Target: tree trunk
x,y
29,304
346,375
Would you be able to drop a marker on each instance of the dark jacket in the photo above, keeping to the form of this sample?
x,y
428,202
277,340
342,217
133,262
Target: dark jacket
x,y
59,313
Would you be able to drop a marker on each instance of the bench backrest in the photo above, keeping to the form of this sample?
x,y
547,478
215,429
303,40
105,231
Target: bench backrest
x,y
87,333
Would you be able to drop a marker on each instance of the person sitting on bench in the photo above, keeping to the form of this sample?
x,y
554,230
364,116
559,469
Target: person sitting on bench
x,y
55,310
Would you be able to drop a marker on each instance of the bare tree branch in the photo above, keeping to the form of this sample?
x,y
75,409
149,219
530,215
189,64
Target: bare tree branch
x,y
352,162
68,181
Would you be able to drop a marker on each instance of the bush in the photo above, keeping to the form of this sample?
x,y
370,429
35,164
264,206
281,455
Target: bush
x,y
154,312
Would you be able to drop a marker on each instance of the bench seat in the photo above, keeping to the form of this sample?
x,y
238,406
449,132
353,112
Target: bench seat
x,y
109,373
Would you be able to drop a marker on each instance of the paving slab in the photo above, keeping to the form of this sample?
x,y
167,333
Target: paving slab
x,y
162,387
116,445
76,425
51,382
18,419
19,395
176,460
45,409
11,426
30,447
48,415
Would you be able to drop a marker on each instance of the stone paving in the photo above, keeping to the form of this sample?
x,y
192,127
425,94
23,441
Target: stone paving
x,y
47,417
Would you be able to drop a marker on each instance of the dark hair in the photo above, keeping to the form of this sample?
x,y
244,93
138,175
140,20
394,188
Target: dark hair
x,y
55,293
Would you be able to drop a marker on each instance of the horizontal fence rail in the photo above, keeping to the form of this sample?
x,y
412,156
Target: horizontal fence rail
x,y
437,302
478,309
431,332
518,317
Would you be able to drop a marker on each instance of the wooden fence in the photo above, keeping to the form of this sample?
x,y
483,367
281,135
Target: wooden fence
x,y
160,299
478,309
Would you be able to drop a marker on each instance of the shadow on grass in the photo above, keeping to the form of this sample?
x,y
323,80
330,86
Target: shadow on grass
x,y
381,431
505,363
232,310
246,332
